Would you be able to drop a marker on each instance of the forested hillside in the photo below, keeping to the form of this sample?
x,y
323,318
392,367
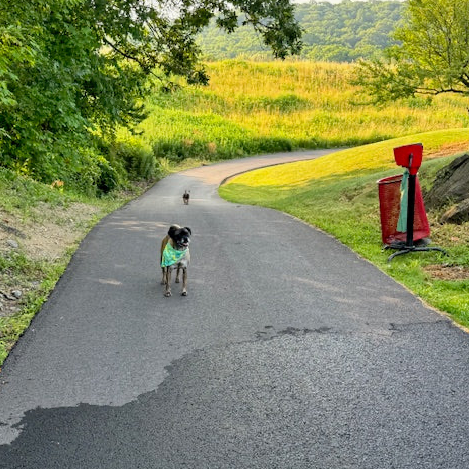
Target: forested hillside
x,y
340,32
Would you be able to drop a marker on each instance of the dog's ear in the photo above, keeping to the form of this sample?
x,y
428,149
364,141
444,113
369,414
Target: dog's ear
x,y
188,229
172,231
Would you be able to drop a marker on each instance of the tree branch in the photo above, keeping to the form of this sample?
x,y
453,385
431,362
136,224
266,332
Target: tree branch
x,y
130,57
434,92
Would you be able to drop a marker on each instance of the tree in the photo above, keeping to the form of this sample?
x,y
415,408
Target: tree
x,y
74,69
433,55
433,58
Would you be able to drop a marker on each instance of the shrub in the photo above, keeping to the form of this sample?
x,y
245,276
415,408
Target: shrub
x,y
138,162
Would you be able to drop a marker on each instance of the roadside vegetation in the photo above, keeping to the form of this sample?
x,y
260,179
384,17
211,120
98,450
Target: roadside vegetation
x,y
338,194
250,108
40,228
74,71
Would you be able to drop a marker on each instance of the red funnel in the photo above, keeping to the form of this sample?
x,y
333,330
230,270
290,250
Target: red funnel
x,y
409,156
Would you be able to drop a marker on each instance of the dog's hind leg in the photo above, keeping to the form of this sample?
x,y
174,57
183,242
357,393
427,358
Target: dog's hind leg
x,y
184,281
177,274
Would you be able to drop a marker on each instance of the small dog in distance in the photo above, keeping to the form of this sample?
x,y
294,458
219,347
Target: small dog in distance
x,y
185,197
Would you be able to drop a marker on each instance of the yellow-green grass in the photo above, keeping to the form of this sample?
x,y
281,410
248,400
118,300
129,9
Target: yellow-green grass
x,y
338,193
251,108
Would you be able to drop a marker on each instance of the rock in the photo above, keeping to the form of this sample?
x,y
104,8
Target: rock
x,y
451,184
423,242
11,229
17,294
457,213
12,243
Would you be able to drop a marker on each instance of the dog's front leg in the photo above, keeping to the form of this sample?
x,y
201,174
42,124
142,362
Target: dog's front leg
x,y
163,278
184,281
167,281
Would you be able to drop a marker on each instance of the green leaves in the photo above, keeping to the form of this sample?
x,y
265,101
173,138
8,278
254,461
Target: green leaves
x,y
433,57
74,69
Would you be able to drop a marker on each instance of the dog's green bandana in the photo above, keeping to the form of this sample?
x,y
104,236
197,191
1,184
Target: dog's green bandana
x,y
171,256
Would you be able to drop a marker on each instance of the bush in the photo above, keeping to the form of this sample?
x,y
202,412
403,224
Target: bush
x,y
138,162
95,175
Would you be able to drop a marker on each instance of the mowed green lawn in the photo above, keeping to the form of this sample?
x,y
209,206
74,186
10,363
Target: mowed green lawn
x,y
338,194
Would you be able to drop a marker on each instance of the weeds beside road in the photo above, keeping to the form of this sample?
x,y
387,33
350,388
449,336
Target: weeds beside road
x,y
40,228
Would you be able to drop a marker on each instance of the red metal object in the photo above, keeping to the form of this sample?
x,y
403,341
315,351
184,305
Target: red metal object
x,y
409,156
389,205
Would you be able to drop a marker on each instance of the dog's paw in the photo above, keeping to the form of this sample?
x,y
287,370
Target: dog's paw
x,y
167,294
184,293
177,280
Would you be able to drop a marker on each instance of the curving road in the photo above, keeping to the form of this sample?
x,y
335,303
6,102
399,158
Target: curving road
x,y
289,351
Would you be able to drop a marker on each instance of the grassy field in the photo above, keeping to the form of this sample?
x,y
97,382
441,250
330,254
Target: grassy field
x,y
338,193
251,108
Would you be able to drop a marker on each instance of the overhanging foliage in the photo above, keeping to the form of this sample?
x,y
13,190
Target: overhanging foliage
x,y
73,70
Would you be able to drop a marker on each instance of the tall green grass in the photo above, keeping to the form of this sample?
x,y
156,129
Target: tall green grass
x,y
251,108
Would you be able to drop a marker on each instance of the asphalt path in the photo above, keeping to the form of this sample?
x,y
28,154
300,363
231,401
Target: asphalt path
x,y
288,352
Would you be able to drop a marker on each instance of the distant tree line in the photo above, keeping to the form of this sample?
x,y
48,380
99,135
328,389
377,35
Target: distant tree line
x,y
342,32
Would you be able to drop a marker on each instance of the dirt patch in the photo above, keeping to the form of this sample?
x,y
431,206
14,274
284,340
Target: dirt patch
x,y
44,235
447,272
48,233
449,149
